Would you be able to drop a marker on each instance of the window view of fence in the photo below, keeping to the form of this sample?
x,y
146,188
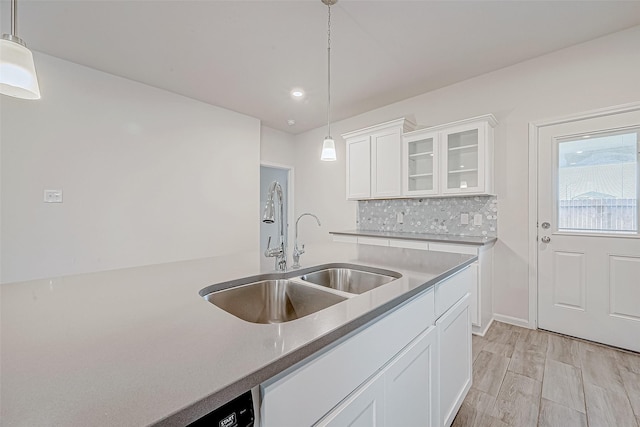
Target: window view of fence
x,y
598,183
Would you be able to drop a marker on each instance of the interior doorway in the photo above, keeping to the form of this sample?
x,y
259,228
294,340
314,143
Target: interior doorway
x,y
270,172
588,240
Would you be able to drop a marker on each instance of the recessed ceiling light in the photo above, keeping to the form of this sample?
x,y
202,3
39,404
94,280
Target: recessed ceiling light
x,y
579,152
291,122
297,93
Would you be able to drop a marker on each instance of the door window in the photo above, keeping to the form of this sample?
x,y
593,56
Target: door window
x,y
597,183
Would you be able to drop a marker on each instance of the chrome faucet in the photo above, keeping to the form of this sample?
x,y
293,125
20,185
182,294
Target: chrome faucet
x,y
298,251
279,252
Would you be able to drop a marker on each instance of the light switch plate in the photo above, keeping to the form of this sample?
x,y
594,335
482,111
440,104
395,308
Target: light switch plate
x,y
53,196
477,219
464,219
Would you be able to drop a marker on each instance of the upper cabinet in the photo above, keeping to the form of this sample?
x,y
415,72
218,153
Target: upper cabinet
x,y
420,154
388,161
467,157
454,158
374,160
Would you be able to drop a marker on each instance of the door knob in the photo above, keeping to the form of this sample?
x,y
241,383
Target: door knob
x,y
546,239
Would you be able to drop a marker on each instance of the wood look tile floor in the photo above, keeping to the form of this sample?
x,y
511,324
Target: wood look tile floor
x,y
527,378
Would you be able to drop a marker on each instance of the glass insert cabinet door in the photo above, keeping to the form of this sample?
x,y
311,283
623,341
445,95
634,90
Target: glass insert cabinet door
x,y
420,164
464,160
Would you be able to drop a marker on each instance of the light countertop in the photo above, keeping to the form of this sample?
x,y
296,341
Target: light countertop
x,y
426,237
140,346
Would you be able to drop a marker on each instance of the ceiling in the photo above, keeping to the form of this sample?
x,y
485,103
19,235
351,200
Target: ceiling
x,y
247,56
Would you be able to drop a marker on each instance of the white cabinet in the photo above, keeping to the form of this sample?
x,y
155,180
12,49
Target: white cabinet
x,y
304,396
467,158
364,408
403,393
359,168
420,155
451,159
454,345
386,163
401,370
411,385
374,160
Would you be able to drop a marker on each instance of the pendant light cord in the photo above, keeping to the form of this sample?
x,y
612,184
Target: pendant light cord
x,y
329,74
14,12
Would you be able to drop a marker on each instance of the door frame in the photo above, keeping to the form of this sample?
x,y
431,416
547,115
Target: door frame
x,y
290,202
534,134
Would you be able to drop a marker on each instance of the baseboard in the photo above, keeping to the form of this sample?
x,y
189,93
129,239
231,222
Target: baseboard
x,y
476,330
524,323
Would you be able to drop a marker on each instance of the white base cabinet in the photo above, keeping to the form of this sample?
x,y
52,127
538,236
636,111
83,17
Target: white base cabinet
x,y
402,394
454,344
411,384
364,408
409,368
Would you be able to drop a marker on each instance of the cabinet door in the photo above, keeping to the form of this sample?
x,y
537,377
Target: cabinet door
x,y
386,163
411,384
363,408
463,159
420,164
359,168
454,344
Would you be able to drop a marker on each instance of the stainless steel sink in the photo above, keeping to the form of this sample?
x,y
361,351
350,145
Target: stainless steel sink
x,y
348,279
272,301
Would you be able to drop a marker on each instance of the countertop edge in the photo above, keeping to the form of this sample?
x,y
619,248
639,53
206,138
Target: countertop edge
x,y
187,414
458,240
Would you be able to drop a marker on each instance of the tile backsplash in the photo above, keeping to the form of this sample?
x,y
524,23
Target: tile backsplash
x,y
430,215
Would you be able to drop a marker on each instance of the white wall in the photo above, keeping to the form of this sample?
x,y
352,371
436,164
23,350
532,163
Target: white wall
x,y
592,75
276,147
148,176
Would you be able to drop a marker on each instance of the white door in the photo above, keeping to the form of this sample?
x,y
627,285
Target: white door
x,y
588,241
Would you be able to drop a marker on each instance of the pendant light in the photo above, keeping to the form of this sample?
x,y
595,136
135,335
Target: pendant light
x,y
17,70
329,145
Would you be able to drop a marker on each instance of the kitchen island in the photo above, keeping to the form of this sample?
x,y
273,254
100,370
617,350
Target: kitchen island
x,y
140,346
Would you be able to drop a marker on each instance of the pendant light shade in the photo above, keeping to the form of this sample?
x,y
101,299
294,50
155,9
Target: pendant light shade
x,y
329,145
328,150
17,71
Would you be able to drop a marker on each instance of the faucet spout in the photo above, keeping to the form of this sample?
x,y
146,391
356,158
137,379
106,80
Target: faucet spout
x,y
297,251
268,217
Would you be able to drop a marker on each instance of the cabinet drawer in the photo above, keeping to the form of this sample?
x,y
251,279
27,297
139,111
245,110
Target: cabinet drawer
x,y
304,395
373,241
409,244
450,290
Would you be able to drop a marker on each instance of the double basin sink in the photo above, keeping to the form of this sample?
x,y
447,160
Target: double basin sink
x,y
277,298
